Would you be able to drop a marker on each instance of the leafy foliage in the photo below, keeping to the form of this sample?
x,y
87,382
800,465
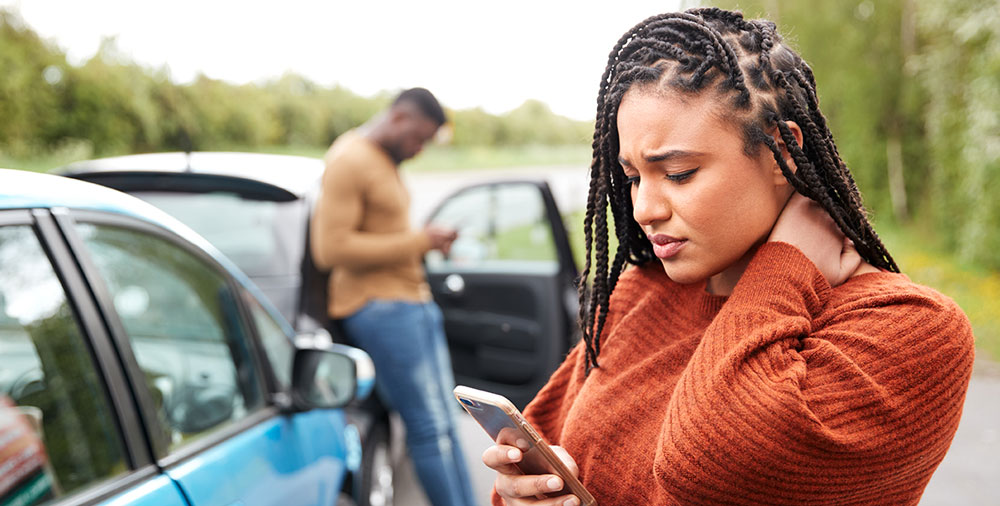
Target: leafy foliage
x,y
111,105
921,79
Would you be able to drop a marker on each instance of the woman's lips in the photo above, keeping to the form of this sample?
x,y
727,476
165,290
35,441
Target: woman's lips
x,y
665,246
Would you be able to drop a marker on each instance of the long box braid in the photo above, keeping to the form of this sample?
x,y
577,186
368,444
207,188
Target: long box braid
x,y
763,82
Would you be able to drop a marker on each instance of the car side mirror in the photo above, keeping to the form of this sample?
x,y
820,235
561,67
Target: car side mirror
x,y
327,375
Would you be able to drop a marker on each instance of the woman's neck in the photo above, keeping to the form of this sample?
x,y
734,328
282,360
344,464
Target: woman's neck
x,y
724,282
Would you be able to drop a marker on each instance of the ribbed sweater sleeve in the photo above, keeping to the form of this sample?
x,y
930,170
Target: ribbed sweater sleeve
x,y
546,411
336,236
779,407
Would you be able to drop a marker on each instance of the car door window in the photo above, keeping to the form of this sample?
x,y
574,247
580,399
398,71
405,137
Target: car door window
x,y
499,227
277,346
57,431
185,329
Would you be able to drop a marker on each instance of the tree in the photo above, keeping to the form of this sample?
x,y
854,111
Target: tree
x,y
959,67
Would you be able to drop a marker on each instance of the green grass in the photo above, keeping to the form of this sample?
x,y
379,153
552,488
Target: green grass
x,y
974,288
448,158
442,159
433,159
48,160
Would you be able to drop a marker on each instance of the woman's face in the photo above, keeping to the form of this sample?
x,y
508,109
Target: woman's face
x,y
703,203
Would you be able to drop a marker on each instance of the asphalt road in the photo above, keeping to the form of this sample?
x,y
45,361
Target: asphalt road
x,y
970,472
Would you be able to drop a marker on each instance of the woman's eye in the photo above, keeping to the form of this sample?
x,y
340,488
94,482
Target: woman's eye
x,y
632,180
681,176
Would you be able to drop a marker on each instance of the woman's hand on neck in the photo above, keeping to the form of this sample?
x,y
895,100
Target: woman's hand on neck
x,y
807,226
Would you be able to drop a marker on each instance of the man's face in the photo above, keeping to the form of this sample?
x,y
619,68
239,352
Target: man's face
x,y
411,130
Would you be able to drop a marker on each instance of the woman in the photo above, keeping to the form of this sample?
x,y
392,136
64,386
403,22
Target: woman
x,y
762,347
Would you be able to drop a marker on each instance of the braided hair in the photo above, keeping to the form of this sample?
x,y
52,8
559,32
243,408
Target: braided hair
x,y
761,83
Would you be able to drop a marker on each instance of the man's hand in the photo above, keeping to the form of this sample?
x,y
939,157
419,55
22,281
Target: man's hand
x,y
441,238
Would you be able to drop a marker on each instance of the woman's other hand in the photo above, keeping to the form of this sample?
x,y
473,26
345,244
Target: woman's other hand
x,y
807,226
518,489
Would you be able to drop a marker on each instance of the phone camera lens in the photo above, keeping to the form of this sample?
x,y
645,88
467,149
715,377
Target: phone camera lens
x,y
469,403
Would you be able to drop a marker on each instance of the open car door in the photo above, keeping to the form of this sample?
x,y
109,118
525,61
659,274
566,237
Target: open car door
x,y
507,288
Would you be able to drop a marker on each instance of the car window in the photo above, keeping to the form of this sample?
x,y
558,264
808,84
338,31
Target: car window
x,y
184,325
277,346
262,237
57,431
501,227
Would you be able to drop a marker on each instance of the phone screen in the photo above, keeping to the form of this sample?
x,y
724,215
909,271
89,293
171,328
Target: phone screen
x,y
512,430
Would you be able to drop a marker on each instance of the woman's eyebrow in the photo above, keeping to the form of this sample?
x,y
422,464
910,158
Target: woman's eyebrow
x,y
673,154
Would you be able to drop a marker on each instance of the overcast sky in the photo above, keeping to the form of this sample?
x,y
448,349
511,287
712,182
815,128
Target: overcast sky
x,y
470,53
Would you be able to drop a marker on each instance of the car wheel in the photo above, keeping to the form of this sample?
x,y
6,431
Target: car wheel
x,y
376,487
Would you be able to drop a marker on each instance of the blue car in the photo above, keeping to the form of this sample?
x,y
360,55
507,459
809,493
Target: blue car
x,y
507,290
139,366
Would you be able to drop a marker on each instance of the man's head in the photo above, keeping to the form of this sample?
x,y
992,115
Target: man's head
x,y
411,122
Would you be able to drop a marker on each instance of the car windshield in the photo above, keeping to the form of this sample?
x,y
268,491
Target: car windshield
x,y
262,237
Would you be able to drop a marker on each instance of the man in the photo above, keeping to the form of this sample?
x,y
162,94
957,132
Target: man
x,y
361,230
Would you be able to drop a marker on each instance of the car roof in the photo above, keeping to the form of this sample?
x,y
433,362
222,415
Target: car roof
x,y
32,190
296,174
29,190
26,190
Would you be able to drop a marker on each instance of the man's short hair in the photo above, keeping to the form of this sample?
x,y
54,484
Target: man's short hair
x,y
425,101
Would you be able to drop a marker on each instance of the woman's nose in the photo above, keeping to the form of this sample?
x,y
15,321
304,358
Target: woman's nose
x,y
649,204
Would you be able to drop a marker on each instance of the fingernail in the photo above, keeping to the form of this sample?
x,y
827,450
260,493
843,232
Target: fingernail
x,y
572,501
513,454
554,483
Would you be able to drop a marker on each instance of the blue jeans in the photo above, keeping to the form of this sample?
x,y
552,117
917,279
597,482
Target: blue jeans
x,y
413,376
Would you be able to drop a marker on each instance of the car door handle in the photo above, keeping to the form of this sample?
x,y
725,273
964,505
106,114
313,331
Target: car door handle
x,y
454,285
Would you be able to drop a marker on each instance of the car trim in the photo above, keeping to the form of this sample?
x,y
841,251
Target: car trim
x,y
102,491
299,175
185,182
103,354
114,327
15,217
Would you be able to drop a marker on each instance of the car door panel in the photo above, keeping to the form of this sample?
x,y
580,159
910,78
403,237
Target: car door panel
x,y
289,460
503,289
253,454
499,327
158,491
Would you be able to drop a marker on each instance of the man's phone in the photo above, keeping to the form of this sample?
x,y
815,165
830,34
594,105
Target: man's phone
x,y
505,425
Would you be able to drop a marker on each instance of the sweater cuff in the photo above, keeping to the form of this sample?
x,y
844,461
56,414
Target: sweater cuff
x,y
780,272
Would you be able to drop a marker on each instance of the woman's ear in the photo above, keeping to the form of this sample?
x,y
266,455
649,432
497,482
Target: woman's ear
x,y
785,154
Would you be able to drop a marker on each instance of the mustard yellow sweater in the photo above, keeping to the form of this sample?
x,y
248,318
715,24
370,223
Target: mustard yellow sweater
x,y
361,229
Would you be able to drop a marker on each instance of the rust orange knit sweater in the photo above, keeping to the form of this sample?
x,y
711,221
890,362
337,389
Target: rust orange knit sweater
x,y
789,392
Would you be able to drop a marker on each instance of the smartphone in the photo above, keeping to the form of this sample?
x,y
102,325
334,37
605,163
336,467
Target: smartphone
x,y
505,425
